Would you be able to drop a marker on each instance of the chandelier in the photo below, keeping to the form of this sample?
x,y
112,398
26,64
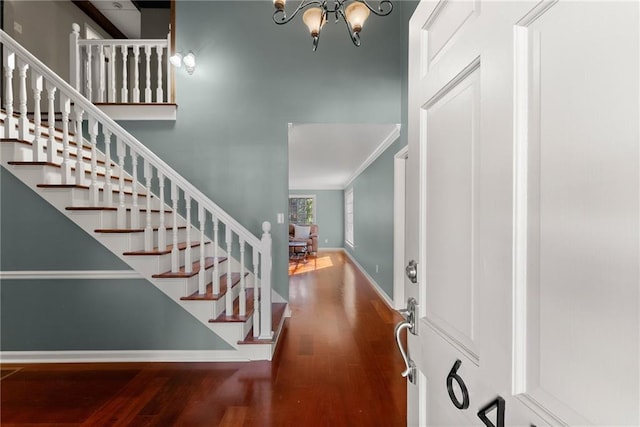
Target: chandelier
x,y
353,14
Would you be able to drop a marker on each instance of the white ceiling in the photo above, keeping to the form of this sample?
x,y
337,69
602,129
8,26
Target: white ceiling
x,y
126,18
330,156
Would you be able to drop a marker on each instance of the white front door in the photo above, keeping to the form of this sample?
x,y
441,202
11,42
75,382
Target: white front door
x,y
523,213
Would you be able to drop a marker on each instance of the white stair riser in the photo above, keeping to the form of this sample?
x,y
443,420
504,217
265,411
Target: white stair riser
x,y
127,242
108,219
157,264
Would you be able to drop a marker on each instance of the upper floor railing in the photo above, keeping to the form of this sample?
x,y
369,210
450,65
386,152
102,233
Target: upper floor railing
x,y
118,146
121,71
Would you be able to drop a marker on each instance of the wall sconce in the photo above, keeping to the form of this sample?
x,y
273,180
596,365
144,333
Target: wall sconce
x,y
189,61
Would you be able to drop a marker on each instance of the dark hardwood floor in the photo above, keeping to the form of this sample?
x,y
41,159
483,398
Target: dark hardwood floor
x,y
337,365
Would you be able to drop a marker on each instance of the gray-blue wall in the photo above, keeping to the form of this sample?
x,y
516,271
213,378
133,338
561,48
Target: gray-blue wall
x,y
253,77
329,216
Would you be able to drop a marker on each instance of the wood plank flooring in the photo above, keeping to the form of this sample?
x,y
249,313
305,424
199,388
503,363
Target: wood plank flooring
x,y
337,365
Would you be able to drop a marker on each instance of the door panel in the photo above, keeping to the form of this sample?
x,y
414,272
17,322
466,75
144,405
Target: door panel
x,y
451,123
524,189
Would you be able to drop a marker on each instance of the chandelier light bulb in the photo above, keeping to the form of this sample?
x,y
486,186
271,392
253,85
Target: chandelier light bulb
x,y
279,4
313,18
356,13
176,60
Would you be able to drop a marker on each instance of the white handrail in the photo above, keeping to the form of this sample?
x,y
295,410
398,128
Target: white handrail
x,y
15,54
123,42
141,149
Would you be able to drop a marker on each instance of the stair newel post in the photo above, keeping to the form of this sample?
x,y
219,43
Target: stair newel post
x,y
256,294
65,106
175,254
78,112
36,85
135,207
94,193
88,74
147,89
121,220
229,295
188,266
148,230
23,122
243,285
159,93
112,73
202,283
101,78
74,57
125,92
216,264
162,230
265,283
51,120
9,66
136,74
108,186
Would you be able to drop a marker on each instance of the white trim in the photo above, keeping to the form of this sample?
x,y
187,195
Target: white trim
x,y
109,356
315,187
70,274
399,194
390,139
374,284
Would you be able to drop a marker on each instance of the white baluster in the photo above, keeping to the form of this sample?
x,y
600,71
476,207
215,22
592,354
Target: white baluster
x,y
229,295
136,77
52,154
23,122
216,263
162,230
159,92
37,146
265,283
9,66
79,142
74,57
94,189
108,187
147,89
148,230
243,285
102,62
122,209
202,283
65,105
88,83
125,92
188,267
256,294
168,65
135,207
112,73
175,254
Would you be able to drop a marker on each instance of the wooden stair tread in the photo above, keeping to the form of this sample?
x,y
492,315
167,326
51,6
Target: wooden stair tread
x,y
155,251
132,230
236,317
110,208
209,295
195,268
86,187
277,313
15,140
59,166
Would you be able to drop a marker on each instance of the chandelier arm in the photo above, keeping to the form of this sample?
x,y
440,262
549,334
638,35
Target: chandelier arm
x,y
382,6
355,37
283,19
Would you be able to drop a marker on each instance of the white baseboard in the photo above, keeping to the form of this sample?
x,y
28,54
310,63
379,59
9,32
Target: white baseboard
x,y
109,356
374,284
70,274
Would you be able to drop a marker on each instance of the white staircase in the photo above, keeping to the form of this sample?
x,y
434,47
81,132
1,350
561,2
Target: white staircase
x,y
143,211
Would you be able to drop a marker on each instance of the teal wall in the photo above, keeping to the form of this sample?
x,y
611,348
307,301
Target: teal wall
x,y
253,77
330,216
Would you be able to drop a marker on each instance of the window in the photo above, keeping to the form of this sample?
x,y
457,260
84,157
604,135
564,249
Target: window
x,y
348,216
302,209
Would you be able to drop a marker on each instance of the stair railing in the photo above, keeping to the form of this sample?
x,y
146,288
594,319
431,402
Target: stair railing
x,y
109,70
75,109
